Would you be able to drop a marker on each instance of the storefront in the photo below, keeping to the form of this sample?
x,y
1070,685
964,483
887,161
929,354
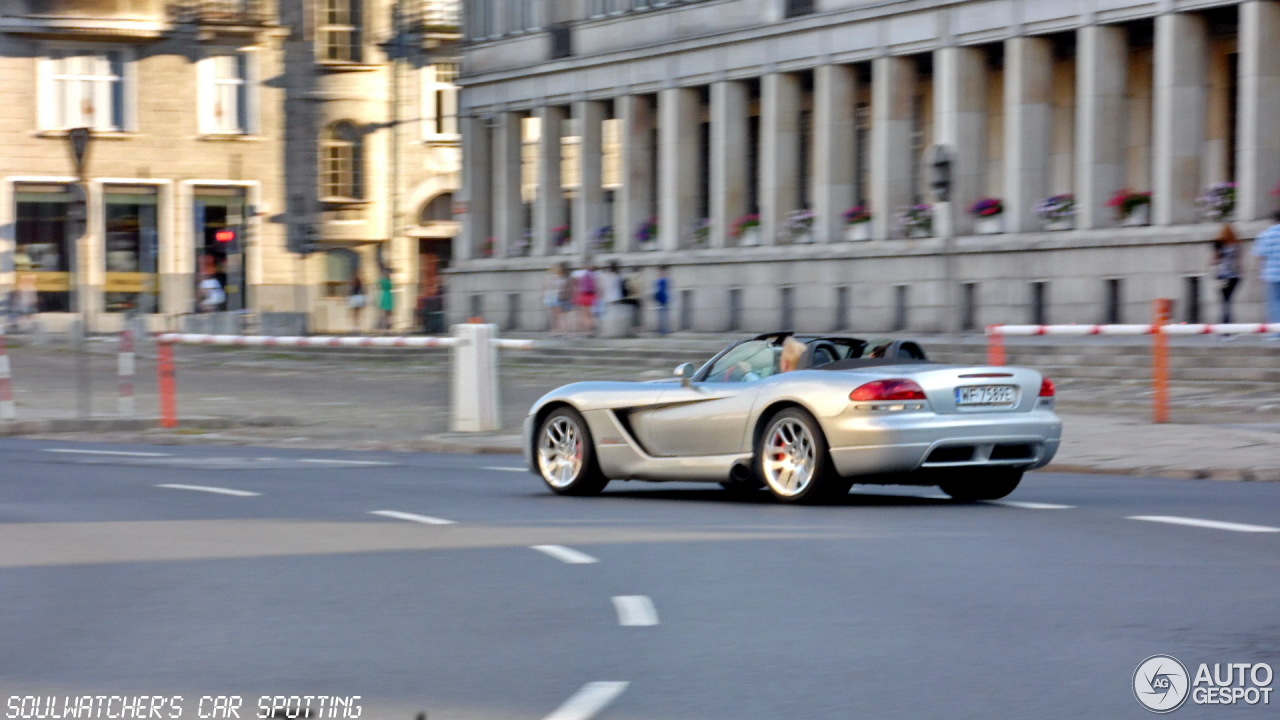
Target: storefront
x,y
221,237
132,249
44,243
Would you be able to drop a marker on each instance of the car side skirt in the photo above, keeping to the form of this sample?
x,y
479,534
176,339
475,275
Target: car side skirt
x,y
622,458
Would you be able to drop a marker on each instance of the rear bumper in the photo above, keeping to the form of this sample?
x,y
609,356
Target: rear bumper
x,y
866,444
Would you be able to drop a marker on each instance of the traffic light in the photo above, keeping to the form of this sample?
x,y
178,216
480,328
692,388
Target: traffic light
x,y
225,237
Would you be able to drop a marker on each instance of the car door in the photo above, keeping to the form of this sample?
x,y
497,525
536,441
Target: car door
x,y
709,417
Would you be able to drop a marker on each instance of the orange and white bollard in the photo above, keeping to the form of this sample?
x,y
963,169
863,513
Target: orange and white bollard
x,y
1160,360
995,345
6,386
168,386
126,366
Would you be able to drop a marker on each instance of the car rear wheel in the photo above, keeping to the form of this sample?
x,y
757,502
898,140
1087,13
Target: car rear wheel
x,y
982,484
791,459
566,455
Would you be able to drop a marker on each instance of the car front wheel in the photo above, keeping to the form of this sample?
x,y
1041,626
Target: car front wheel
x,y
791,459
566,455
982,484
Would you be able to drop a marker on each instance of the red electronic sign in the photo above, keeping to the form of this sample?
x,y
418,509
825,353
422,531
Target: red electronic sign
x,y
225,236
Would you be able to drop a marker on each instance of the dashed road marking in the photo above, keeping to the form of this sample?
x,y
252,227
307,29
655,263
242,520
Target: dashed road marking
x,y
589,701
424,519
635,610
565,555
506,469
1029,505
214,490
116,453
1212,524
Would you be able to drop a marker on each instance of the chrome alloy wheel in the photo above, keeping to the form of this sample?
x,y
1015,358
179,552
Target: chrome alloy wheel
x,y
790,457
560,452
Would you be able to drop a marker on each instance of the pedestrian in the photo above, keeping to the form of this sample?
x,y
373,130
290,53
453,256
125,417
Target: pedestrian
x,y
585,288
628,283
1267,247
610,301
1226,267
662,298
356,301
386,301
26,301
553,296
211,294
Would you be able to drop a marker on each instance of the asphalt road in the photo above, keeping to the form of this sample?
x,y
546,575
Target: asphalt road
x,y
671,602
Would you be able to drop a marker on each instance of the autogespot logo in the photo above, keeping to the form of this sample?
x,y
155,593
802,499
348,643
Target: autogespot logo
x,y
1160,683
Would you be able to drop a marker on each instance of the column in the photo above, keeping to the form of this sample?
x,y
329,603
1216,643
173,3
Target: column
x,y
588,208
893,81
1258,151
1179,123
960,114
635,204
1028,112
730,111
677,164
549,213
779,152
1101,68
477,183
509,205
834,103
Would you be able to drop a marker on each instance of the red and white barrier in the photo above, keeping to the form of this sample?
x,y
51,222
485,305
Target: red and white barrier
x,y
1160,330
1143,329
475,367
6,385
126,369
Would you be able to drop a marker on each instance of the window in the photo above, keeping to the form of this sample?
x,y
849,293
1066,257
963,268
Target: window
x,y
440,209
132,242
440,101
84,87
339,30
225,94
42,254
442,15
342,162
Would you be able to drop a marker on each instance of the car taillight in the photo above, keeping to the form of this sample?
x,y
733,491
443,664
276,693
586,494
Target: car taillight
x,y
1046,388
893,389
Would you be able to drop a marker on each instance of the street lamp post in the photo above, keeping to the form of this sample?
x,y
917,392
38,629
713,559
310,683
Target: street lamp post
x,y
939,161
79,141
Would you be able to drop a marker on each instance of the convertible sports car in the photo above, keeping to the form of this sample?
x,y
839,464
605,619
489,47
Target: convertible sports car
x,y
852,411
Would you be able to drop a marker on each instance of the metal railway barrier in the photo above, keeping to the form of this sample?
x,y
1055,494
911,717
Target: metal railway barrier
x,y
475,399
1160,330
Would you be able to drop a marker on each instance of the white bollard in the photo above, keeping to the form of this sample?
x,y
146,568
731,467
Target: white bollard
x,y
475,379
6,386
125,368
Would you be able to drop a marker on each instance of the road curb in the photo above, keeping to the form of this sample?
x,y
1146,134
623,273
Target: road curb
x,y
47,426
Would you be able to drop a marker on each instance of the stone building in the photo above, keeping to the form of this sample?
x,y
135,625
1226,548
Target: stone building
x,y
227,136
746,131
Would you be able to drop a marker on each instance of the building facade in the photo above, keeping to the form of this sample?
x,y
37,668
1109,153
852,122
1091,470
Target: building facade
x,y
258,142
734,140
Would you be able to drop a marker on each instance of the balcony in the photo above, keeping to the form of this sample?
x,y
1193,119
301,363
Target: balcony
x,y
439,17
232,13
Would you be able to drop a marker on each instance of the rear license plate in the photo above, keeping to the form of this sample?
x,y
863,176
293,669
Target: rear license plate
x,y
985,395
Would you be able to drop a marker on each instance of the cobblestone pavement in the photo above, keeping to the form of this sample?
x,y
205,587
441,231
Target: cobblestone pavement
x,y
274,398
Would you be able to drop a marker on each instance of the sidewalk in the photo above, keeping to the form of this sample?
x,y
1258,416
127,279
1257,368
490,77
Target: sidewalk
x,y
266,398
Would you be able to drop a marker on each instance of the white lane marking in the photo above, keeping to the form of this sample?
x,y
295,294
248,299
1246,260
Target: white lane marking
x,y
587,702
565,555
424,519
506,469
1029,505
215,490
119,453
323,461
635,610
1212,524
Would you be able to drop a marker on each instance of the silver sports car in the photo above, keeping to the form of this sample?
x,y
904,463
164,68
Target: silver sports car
x,y
851,411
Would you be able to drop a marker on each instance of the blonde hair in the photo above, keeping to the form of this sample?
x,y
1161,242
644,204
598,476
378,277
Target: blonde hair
x,y
792,351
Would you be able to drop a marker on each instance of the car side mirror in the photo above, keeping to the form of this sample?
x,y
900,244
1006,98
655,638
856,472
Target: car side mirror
x,y
685,371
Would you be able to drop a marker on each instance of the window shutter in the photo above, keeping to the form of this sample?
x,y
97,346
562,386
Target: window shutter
x,y
428,102
204,95
449,98
247,101
46,93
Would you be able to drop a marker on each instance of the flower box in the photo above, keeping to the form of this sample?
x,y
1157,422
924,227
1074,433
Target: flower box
x,y
858,232
1059,224
749,237
1140,215
991,225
